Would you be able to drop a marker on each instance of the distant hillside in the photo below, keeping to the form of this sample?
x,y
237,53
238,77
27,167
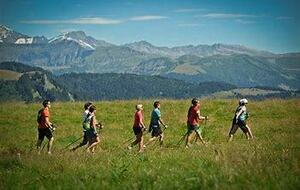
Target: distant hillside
x,y
34,84
127,86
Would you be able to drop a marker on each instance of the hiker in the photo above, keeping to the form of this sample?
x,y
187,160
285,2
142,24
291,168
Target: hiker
x,y
86,107
90,124
193,118
138,128
239,120
155,125
45,127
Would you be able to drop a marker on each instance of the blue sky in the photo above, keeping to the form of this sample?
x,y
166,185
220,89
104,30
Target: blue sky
x,y
272,25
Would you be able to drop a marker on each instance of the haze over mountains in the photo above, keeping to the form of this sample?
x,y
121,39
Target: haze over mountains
x,y
77,52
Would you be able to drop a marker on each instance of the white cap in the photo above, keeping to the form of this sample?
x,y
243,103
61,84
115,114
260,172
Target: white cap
x,y
244,101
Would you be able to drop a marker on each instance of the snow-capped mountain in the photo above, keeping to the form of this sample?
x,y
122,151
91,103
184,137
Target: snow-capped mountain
x,y
78,37
7,35
81,38
10,36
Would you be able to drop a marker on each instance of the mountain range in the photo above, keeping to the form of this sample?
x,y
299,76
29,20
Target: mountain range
x,y
77,52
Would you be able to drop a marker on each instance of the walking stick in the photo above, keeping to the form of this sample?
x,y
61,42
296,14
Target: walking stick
x,y
72,143
181,139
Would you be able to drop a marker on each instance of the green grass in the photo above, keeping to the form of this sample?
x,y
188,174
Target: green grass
x,y
270,161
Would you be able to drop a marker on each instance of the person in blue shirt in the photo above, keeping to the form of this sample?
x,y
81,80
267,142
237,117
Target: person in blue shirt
x,y
155,125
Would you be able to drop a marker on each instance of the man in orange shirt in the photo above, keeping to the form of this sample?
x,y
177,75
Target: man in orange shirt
x,y
44,127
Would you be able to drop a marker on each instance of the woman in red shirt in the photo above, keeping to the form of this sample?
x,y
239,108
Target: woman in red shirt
x,y
138,128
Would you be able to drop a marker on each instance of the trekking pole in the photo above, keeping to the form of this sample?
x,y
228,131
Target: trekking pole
x,y
144,133
72,143
44,146
181,139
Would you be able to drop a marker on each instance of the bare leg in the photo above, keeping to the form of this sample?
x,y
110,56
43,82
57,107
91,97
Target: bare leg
x,y
230,138
198,135
137,141
151,140
161,139
50,143
141,145
94,144
38,145
188,140
249,132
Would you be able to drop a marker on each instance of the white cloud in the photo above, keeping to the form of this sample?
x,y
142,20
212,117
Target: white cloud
x,y
188,25
187,10
227,16
242,21
147,17
284,18
93,20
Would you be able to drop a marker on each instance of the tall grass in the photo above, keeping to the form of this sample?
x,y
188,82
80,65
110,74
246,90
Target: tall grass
x,y
270,161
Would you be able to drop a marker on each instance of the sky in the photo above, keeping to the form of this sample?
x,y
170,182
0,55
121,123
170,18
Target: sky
x,y
272,25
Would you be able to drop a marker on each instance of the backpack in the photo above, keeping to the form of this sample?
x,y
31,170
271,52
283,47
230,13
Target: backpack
x,y
39,116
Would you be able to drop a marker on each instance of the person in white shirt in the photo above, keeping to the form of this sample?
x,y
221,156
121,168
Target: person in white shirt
x,y
239,120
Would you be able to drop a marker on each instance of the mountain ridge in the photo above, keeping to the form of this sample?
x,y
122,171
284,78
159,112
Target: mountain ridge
x,y
235,64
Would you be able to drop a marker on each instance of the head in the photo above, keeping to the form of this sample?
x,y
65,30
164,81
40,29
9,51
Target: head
x,y
87,105
92,109
139,107
195,101
156,104
46,103
243,101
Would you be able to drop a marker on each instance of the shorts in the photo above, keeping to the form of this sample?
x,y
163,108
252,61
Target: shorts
x,y
156,131
137,130
85,139
195,128
90,134
240,124
42,132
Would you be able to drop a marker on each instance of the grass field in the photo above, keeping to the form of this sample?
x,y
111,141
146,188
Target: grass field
x,y
270,161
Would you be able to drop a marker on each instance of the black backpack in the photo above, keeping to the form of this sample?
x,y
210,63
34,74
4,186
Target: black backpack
x,y
39,116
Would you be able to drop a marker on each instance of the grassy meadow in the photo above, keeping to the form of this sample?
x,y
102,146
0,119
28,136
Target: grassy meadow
x,y
270,161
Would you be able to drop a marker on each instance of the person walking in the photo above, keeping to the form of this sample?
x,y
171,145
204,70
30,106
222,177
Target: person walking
x,y
193,126
239,120
45,127
86,107
155,125
90,124
138,128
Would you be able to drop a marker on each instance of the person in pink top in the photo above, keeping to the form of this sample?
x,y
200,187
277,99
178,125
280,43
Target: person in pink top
x,y
193,119
138,128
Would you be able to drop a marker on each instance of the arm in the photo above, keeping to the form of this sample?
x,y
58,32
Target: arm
x,y
48,123
238,114
161,121
201,117
141,122
93,124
